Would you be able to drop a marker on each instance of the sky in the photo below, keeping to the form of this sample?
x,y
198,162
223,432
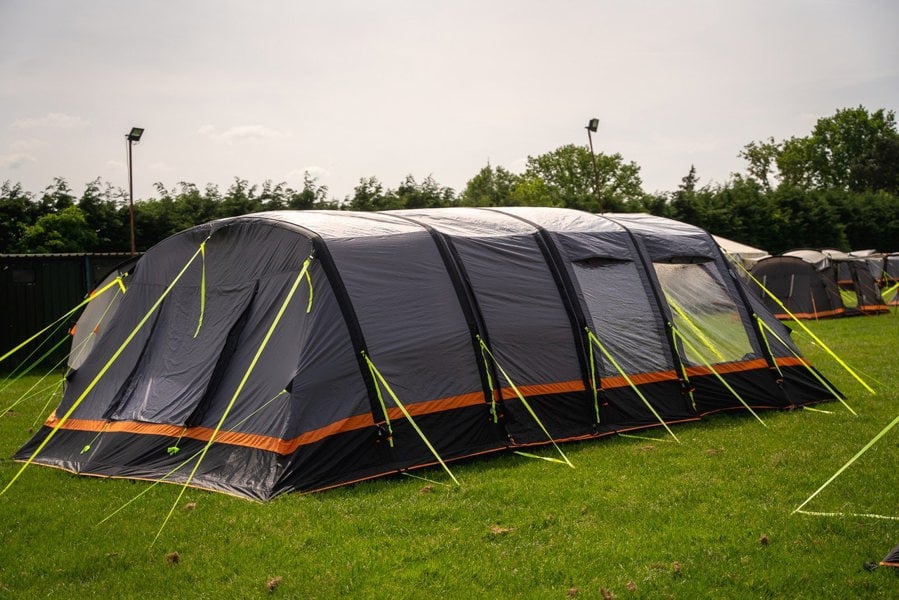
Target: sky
x,y
350,89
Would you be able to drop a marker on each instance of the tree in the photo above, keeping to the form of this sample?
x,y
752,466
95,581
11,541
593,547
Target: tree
x,y
62,231
762,159
427,194
56,197
312,195
16,213
684,202
845,142
568,174
852,150
369,195
490,187
102,209
241,199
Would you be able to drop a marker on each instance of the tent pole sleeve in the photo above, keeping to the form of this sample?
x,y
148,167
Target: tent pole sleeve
x,y
662,306
567,291
351,320
455,269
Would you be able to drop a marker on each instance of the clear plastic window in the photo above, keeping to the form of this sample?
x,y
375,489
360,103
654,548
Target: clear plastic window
x,y
704,314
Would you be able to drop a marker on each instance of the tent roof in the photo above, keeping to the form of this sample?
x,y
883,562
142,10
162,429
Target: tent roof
x,y
738,249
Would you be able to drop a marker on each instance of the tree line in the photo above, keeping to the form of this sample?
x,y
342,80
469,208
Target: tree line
x,y
837,187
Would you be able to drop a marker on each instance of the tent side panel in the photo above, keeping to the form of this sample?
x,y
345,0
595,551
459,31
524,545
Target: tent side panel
x,y
529,333
417,338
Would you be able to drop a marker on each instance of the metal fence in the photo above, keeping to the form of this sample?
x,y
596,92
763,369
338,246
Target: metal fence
x,y
37,289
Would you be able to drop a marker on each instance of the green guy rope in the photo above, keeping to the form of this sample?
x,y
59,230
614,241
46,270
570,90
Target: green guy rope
x,y
877,437
595,340
523,401
102,371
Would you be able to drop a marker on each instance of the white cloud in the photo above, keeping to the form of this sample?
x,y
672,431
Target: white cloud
x,y
15,161
313,170
51,121
241,134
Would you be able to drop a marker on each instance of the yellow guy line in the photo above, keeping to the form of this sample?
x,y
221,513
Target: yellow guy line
x,y
716,373
523,401
811,369
62,318
237,391
406,414
100,374
695,328
809,332
595,340
846,466
186,461
202,289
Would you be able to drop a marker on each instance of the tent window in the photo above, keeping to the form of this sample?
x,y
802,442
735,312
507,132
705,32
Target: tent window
x,y
704,314
177,369
618,307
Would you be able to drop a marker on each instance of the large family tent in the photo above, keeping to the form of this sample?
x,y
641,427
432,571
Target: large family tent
x,y
300,350
806,284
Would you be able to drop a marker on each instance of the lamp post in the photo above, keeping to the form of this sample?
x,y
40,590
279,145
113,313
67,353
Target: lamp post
x,y
591,127
131,137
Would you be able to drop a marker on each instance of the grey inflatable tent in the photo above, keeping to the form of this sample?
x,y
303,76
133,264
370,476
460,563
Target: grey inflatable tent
x,y
301,350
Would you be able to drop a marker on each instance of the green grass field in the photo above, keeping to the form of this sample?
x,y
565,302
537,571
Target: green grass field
x,y
637,518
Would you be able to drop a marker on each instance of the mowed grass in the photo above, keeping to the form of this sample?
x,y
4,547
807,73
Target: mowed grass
x,y
710,517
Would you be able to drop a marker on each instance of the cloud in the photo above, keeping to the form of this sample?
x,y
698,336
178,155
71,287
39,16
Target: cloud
x,y
241,134
51,121
15,161
316,172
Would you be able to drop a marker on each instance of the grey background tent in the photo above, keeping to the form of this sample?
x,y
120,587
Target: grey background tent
x,y
807,283
303,350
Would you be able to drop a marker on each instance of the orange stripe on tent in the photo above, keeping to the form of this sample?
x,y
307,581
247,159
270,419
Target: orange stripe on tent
x,y
356,422
544,389
264,442
638,379
811,315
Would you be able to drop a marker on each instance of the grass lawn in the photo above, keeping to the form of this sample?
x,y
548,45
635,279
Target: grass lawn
x,y
637,518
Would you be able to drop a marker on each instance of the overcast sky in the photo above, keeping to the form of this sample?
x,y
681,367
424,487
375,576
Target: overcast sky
x,y
347,89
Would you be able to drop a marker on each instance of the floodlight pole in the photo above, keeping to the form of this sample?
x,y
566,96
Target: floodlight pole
x,y
591,127
130,138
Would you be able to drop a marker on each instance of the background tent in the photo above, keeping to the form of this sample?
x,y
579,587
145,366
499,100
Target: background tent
x,y
806,282
299,350
747,255
891,278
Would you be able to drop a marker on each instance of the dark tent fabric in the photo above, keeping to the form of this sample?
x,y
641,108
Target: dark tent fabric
x,y
807,283
891,267
891,559
320,348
